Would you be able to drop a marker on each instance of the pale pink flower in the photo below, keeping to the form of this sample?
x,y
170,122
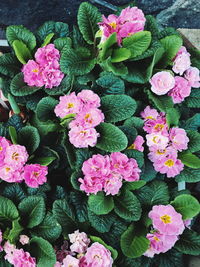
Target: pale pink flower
x,y
138,144
97,165
112,184
69,104
24,239
181,90
119,164
89,99
187,223
166,220
16,156
160,243
47,54
134,175
193,77
79,241
178,138
157,139
10,174
22,258
98,256
1,239
35,175
51,76
149,113
4,143
162,82
156,126
9,250
57,264
80,137
33,74
156,153
70,261
182,61
91,185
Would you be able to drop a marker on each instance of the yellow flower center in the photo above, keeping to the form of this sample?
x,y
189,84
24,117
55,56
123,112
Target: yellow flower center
x,y
113,25
158,127
15,156
36,174
83,132
1,148
161,152
169,163
131,146
155,139
7,169
35,70
150,117
156,238
70,105
166,219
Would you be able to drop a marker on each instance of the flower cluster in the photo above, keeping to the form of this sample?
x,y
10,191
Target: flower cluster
x,y
130,21
108,172
164,143
168,225
85,108
13,167
177,87
80,254
138,144
45,69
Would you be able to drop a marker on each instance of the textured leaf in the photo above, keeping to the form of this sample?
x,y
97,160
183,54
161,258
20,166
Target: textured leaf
x,y
172,117
137,155
189,243
190,160
47,39
8,210
45,108
163,103
193,101
30,138
61,43
120,54
44,127
22,52
133,185
189,175
14,233
192,123
79,201
9,65
194,141
105,51
14,192
102,223
100,204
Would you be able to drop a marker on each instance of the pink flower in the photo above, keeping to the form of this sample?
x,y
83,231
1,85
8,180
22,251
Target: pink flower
x,y
149,113
169,165
69,104
181,90
162,82
89,99
98,256
166,220
4,143
137,144
97,166
35,175
156,126
1,239
47,54
187,223
79,241
112,184
160,243
9,250
10,174
16,156
33,74
80,137
135,171
91,185
51,76
24,239
181,61
70,261
156,153
178,138
57,264
193,77
157,139
22,258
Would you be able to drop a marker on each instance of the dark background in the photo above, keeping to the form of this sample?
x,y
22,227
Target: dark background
x,y
32,13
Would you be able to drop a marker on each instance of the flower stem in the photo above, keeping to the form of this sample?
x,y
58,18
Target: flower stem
x,y
13,104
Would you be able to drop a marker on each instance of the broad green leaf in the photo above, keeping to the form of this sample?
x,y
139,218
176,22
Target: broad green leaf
x,y
163,103
189,175
134,122
20,33
133,185
194,141
134,242
47,39
111,83
14,192
19,88
43,251
137,43
88,17
192,123
61,43
14,233
152,26
74,179
100,204
82,155
127,206
8,210
79,201
187,205
111,139
102,223
45,108
105,46
190,160
189,243
32,210
9,65
193,101
44,127
30,138
118,69
130,133
45,161
120,54
134,75
172,117
22,52
117,107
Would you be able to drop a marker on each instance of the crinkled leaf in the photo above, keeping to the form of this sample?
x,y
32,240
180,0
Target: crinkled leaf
x,y
100,204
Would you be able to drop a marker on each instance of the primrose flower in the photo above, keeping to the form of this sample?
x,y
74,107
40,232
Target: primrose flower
x,y
91,185
182,61
70,261
193,77
9,174
181,90
89,99
138,144
79,241
33,74
35,175
149,113
16,156
179,138
4,143
162,82
157,153
112,184
45,55
157,139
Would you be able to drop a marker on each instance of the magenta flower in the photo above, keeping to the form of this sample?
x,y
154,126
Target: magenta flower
x,y
134,175
10,174
162,82
156,126
89,99
1,239
22,258
47,54
98,256
157,139
91,185
179,138
79,241
149,113
4,143
33,74
182,61
112,184
166,220
138,144
35,175
51,76
181,90
16,156
81,137
70,261
193,77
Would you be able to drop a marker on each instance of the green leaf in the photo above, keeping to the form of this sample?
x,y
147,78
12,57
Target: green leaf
x,y
194,141
79,201
137,43
44,127
9,65
117,107
13,104
13,134
105,51
118,69
22,52
22,34
172,117
49,229
45,108
134,122
32,209
19,88
88,17
113,251
47,39
130,133
120,54
189,243
189,160
111,139
82,155
30,138
152,26
8,210
14,192
187,205
111,84
133,185
61,43
189,175
192,123
43,251
171,45
102,223
100,204
45,161
127,206
74,179
163,103
133,242
14,233
193,101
